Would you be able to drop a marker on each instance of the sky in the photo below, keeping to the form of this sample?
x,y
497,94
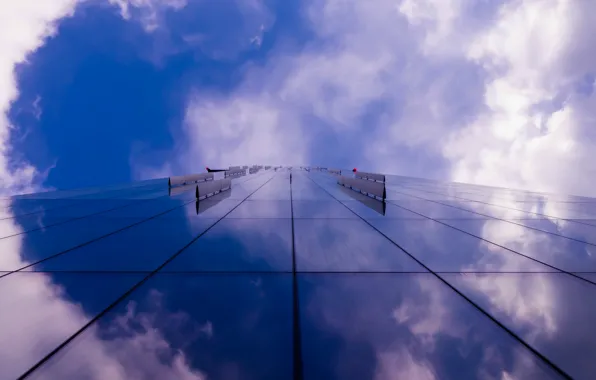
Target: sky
x,y
96,92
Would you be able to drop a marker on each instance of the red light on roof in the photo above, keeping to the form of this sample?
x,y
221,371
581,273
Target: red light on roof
x,y
354,170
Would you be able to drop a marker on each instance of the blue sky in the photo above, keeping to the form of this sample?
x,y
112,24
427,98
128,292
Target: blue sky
x,y
104,91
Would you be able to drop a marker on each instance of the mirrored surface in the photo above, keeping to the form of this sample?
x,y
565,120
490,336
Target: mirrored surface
x,y
22,250
372,208
182,326
403,326
236,288
553,312
138,248
262,209
321,209
40,310
558,251
436,210
445,249
347,245
240,245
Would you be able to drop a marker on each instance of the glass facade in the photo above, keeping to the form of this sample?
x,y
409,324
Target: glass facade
x,y
281,278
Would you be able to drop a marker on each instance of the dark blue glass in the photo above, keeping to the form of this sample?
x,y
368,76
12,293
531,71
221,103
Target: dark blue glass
x,y
40,310
152,207
143,247
343,245
262,209
553,312
14,207
446,249
22,250
403,326
48,218
183,326
321,209
240,245
558,251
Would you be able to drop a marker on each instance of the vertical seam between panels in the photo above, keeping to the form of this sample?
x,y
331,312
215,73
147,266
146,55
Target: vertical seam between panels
x,y
297,333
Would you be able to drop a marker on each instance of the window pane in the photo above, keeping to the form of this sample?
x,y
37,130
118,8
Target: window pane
x,y
142,247
41,310
321,209
437,211
339,245
443,248
403,326
553,312
565,254
372,208
262,209
181,326
240,245
275,189
21,250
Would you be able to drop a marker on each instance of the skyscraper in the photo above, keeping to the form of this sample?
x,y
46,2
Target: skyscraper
x,y
282,274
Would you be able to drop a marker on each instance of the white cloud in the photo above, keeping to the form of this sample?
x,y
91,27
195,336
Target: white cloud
x,y
536,130
488,88
24,25
148,12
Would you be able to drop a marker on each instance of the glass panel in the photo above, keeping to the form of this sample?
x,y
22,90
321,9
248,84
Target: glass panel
x,y
321,209
397,195
182,326
372,209
22,250
146,209
59,215
569,228
302,190
240,245
262,209
338,245
143,247
403,326
14,207
565,254
493,211
553,312
437,211
40,310
443,248
275,189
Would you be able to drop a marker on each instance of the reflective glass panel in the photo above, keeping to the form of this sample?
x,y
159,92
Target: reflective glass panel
x,y
22,250
262,209
553,312
40,310
443,248
403,326
143,247
338,245
562,253
182,326
321,209
240,245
